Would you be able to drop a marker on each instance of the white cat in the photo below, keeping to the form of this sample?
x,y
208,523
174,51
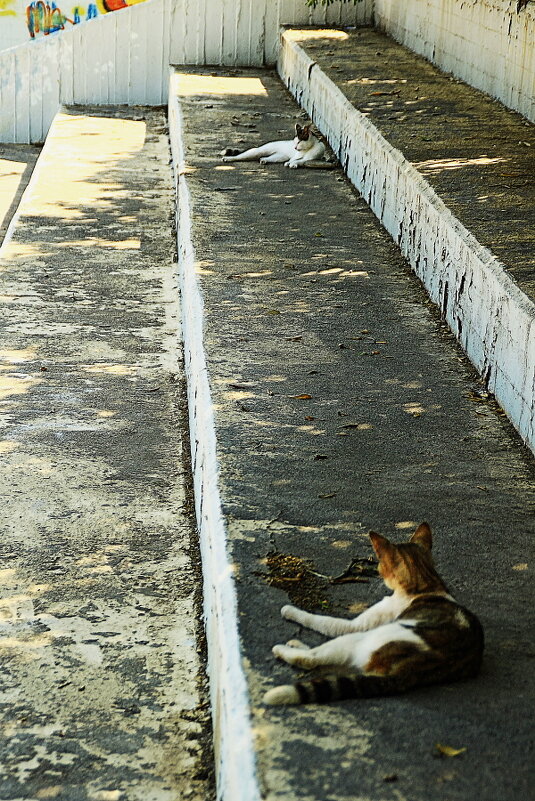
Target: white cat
x,y
293,153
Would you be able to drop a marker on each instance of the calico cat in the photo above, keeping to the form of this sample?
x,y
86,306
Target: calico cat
x,y
293,153
418,636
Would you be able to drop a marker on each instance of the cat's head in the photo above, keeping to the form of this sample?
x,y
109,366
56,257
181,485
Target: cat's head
x,y
408,567
304,138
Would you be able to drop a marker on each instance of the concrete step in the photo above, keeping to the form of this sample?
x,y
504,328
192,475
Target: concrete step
x,y
327,397
102,694
450,174
16,166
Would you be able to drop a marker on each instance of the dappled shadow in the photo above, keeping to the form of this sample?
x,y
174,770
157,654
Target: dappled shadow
x,y
94,569
476,154
342,404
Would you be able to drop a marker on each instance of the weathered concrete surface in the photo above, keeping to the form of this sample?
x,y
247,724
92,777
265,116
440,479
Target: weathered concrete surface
x,y
431,163
102,694
16,166
305,295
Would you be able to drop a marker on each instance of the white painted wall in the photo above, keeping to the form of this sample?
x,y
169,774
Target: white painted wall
x,y
124,57
493,320
487,43
247,31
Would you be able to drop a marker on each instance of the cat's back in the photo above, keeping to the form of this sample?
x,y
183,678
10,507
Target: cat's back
x,y
452,632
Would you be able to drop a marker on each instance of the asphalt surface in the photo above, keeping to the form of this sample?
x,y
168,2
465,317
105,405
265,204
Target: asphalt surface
x,y
343,404
102,689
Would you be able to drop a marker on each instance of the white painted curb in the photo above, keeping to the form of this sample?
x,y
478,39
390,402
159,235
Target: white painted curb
x,y
491,317
233,736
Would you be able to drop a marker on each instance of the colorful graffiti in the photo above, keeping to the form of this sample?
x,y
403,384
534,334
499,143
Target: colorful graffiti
x,y
46,18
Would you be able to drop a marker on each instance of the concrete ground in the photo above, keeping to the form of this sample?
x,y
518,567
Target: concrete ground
x,y
102,689
343,404
477,155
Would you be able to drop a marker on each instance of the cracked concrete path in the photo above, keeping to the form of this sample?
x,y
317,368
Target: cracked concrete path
x,y
343,404
102,694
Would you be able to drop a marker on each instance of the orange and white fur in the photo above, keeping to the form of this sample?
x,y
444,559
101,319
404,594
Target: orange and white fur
x,y
292,153
417,636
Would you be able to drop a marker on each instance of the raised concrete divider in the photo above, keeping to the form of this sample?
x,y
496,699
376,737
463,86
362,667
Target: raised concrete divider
x,y
233,739
491,315
327,398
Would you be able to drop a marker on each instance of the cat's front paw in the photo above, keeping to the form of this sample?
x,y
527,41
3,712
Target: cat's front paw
x,y
289,612
293,165
226,158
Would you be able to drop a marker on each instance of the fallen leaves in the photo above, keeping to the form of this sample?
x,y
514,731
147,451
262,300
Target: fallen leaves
x,y
303,396
448,751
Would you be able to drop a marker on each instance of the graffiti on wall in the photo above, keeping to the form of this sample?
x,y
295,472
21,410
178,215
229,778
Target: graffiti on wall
x,y
46,18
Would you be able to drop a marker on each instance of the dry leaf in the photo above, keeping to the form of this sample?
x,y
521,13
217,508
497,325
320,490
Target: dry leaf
x,y
447,750
328,495
294,339
304,396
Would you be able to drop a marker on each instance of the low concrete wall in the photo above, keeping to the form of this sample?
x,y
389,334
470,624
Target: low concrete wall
x,y
233,737
491,317
124,57
487,43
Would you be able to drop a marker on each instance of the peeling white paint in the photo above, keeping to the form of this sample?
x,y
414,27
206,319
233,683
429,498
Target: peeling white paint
x,y
489,314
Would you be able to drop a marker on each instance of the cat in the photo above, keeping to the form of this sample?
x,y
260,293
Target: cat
x,y
293,153
416,637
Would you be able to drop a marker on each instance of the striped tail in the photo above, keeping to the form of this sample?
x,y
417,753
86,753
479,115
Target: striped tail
x,y
336,688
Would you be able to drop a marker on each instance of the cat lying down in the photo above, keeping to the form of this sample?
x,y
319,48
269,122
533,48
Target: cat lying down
x,y
418,636
292,153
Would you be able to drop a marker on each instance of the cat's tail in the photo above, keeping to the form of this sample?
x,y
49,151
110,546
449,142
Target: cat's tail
x,y
337,688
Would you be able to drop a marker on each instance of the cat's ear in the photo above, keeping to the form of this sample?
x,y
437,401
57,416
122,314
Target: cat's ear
x,y
380,544
422,536
298,129
305,133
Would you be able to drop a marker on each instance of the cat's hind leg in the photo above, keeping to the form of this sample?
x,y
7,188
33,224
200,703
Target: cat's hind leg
x,y
298,644
339,652
253,154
